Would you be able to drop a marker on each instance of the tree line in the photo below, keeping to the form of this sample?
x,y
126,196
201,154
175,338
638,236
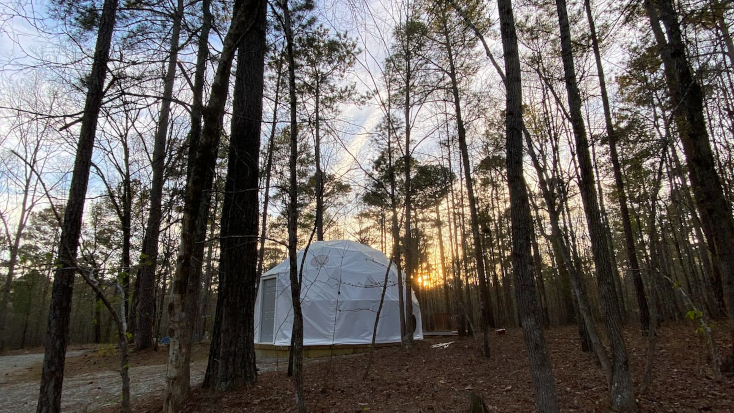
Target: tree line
x,y
584,176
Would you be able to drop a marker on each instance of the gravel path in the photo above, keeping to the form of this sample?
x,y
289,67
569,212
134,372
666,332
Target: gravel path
x,y
90,391
10,366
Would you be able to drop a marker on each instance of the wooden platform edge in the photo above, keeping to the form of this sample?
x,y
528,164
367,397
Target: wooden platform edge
x,y
273,351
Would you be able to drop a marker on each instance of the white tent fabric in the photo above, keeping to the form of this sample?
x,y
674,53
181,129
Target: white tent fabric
x,y
342,284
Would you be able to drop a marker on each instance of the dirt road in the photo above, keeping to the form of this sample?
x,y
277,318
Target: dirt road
x,y
12,366
83,392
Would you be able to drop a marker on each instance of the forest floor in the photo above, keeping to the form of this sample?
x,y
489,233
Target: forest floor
x,y
425,379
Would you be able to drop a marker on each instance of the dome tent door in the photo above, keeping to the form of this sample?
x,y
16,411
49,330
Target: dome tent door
x,y
267,321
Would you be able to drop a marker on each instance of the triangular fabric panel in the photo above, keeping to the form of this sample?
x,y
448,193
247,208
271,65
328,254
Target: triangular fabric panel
x,y
342,284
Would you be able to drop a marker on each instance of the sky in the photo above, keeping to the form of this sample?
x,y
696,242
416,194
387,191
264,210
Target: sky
x,y
370,22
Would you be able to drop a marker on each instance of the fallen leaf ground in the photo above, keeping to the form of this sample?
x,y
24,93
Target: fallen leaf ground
x,y
427,379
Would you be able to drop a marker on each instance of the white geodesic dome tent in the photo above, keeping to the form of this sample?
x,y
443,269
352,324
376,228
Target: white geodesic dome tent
x,y
342,284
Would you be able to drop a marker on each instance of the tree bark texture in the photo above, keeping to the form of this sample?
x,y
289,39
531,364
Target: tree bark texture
x,y
538,269
442,261
713,280
266,172
622,395
319,181
546,400
177,373
460,309
687,98
126,227
297,332
149,258
234,362
394,226
629,239
121,325
408,240
485,302
52,376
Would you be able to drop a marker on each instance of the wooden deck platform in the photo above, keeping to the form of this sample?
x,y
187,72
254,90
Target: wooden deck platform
x,y
273,351
431,334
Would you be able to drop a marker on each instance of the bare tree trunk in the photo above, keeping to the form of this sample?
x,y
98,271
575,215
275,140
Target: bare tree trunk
x,y
161,298
502,316
505,259
719,9
577,300
408,239
394,226
97,314
396,253
25,208
42,308
23,335
268,168
377,321
197,108
619,182
654,277
622,396
439,227
297,333
546,400
206,215
699,273
582,301
485,301
52,377
149,256
687,98
538,268
121,334
5,308
618,281
198,112
177,373
319,181
702,234
234,357
205,297
460,308
586,345
465,259
126,224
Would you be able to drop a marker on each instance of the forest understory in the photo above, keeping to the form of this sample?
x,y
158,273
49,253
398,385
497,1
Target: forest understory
x,y
428,379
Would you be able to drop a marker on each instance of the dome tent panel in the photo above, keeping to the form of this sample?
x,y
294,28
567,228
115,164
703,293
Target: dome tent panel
x,y
342,285
314,312
351,325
